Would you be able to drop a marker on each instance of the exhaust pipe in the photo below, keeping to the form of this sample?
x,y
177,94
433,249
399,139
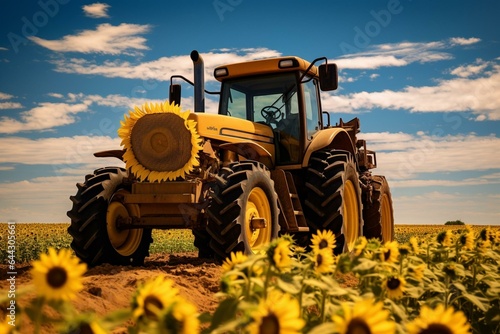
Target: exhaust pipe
x,y
199,82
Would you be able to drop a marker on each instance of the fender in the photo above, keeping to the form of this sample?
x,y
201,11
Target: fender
x,y
333,137
251,151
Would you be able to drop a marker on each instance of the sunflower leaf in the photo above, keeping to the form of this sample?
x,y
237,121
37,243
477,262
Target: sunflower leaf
x,y
476,301
224,312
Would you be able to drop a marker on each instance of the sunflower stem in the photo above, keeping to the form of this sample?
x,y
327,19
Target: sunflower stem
x,y
266,282
38,313
323,306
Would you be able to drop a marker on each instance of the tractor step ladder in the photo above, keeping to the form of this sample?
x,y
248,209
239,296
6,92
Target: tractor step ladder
x,y
291,214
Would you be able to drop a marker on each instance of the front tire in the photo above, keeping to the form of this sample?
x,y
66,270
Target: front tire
x,y
333,197
379,214
243,214
96,207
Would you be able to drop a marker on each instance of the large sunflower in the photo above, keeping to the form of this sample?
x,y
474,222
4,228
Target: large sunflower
x,y
161,143
277,314
439,321
58,275
153,297
364,316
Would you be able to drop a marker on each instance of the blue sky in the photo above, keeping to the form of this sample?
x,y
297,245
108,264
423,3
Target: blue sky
x,y
422,76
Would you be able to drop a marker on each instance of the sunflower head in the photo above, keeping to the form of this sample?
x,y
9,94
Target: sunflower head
x,y
444,238
360,245
390,252
180,317
323,260
280,254
152,298
466,240
161,143
278,313
365,316
439,320
232,261
395,286
58,275
414,244
417,272
323,239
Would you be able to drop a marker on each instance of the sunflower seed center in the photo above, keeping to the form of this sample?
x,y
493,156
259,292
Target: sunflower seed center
x,y
358,326
156,305
323,244
57,277
269,325
319,259
436,329
393,283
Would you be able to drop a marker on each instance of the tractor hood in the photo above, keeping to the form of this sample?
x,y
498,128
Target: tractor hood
x,y
233,130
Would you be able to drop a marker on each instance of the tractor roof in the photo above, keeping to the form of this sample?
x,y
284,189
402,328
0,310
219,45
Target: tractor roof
x,y
263,66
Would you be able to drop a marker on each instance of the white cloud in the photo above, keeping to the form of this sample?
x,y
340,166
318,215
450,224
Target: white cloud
x,y
44,199
5,96
395,54
43,117
439,207
56,95
372,62
10,105
404,157
63,152
401,54
107,39
465,41
160,69
477,95
469,70
96,10
493,178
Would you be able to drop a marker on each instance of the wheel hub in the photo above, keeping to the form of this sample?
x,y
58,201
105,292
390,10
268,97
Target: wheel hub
x,y
124,241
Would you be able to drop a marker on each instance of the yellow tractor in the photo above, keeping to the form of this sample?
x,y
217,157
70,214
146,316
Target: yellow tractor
x,y
269,163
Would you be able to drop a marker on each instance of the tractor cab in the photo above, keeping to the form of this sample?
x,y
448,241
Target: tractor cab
x,y
283,94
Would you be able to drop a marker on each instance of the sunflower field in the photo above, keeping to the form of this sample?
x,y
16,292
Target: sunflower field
x,y
444,282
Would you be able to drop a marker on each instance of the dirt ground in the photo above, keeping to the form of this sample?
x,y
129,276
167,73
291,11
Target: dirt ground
x,y
108,288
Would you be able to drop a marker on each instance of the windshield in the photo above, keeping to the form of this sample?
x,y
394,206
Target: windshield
x,y
264,99
270,100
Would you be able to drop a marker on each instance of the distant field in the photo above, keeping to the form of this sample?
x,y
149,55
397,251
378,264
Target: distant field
x,y
35,238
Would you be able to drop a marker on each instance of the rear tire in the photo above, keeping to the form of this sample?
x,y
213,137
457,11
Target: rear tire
x,y
96,239
333,197
379,214
243,191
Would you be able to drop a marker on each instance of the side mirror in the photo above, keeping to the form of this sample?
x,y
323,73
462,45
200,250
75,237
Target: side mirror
x,y
326,122
328,77
174,94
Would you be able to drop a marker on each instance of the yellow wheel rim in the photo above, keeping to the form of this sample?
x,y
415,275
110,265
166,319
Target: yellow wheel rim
x,y
125,242
350,217
258,207
386,218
